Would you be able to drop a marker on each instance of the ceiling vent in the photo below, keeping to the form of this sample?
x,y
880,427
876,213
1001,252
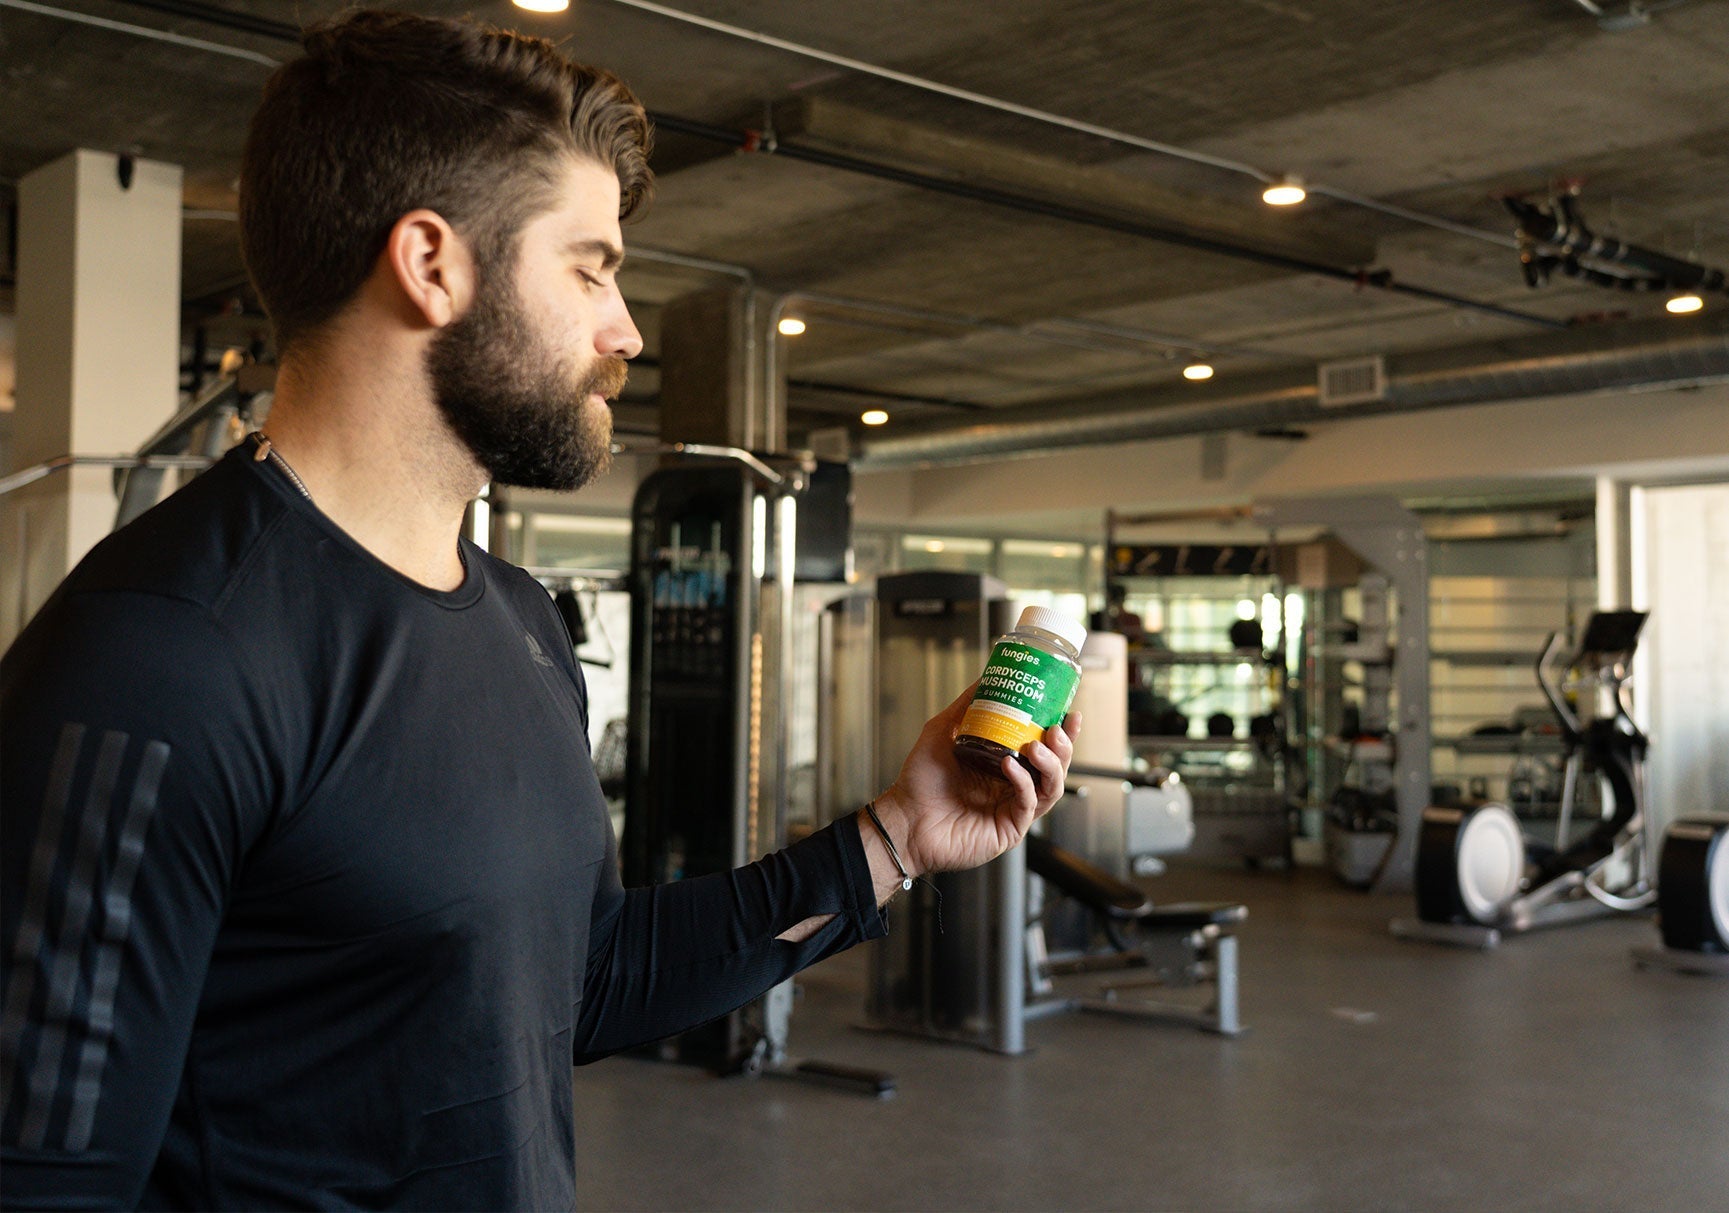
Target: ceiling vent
x,y
1353,381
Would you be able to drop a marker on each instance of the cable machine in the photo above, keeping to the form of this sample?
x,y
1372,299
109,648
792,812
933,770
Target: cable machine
x,y
718,539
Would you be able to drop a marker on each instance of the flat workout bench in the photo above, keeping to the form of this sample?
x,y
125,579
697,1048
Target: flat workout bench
x,y
1209,928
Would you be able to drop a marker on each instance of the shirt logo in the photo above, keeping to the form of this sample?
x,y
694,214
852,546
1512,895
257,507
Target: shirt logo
x,y
534,651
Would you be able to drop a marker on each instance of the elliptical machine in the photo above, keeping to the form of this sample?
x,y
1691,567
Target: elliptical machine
x,y
1479,876
1693,898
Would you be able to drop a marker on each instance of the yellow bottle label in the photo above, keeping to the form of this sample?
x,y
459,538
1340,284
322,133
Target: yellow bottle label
x,y
1001,724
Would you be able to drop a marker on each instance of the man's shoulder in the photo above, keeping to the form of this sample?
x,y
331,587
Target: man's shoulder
x,y
532,606
512,579
193,546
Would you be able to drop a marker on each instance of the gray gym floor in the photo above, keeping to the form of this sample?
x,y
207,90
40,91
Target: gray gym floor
x,y
1376,1074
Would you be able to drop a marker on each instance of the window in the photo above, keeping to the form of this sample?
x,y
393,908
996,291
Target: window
x,y
576,541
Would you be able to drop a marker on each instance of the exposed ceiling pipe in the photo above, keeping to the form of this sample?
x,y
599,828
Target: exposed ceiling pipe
x,y
215,14
1638,13
140,31
743,273
756,141
1106,133
1560,227
1662,353
952,403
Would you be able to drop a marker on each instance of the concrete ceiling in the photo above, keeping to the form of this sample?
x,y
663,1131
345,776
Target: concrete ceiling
x,y
1433,108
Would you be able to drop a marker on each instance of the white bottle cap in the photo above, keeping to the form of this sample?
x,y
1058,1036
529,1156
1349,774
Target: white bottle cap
x,y
1055,622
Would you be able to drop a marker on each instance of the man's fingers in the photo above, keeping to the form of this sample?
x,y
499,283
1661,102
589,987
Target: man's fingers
x,y
1060,740
1026,789
1061,743
1051,769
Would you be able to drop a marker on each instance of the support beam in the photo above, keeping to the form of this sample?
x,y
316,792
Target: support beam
x,y
1614,544
98,333
722,381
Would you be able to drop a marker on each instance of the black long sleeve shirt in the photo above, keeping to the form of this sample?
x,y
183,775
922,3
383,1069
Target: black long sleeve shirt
x,y
310,897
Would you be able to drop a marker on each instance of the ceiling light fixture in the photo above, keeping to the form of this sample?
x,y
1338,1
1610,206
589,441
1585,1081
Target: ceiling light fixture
x,y
874,417
542,6
1680,305
1198,371
1286,191
790,326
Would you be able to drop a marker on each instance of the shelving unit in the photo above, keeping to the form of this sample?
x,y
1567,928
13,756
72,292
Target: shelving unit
x,y
1240,807
1186,597
1362,672
1353,722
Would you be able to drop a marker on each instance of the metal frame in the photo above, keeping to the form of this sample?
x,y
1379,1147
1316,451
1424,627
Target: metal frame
x,y
60,463
1573,896
1391,538
762,591
140,485
1213,952
1254,844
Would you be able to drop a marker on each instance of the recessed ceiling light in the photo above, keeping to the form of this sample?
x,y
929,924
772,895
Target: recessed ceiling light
x,y
542,6
790,326
935,545
1680,305
1197,371
874,417
1286,191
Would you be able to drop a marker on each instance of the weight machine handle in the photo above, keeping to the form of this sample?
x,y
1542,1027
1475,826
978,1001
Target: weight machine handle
x,y
1141,779
1552,692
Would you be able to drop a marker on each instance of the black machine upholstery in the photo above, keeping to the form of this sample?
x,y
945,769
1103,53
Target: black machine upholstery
x,y
1085,882
1117,900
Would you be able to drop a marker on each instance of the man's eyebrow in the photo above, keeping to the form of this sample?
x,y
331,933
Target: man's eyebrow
x,y
611,256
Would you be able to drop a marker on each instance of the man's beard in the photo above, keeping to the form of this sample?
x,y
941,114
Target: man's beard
x,y
523,411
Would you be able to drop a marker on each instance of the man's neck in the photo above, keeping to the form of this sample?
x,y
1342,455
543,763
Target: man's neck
x,y
376,457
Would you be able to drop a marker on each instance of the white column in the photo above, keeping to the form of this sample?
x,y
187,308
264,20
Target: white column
x,y
98,348
1614,544
1681,678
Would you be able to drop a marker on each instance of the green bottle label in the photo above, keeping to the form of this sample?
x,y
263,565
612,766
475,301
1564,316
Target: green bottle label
x,y
1035,685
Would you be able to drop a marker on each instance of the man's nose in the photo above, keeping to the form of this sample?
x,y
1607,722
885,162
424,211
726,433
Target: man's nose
x,y
617,337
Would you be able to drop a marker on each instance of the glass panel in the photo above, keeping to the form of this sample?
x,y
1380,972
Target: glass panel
x,y
577,541
875,553
1032,564
953,552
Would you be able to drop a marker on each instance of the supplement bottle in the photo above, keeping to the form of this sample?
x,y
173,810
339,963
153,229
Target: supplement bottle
x,y
1028,684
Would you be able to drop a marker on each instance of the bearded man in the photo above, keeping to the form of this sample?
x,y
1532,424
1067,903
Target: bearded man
x,y
310,895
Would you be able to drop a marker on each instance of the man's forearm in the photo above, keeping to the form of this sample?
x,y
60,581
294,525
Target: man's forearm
x,y
885,876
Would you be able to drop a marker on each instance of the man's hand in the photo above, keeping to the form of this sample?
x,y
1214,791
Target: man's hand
x,y
945,815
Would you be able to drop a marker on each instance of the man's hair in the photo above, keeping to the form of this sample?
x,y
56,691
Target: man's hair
x,y
387,113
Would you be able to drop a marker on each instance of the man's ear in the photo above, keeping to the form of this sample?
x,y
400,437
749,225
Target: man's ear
x,y
432,266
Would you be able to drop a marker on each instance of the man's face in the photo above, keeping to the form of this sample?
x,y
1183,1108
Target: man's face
x,y
523,376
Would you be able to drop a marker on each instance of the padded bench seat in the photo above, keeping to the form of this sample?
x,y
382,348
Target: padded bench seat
x,y
1193,915
1086,882
1118,900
